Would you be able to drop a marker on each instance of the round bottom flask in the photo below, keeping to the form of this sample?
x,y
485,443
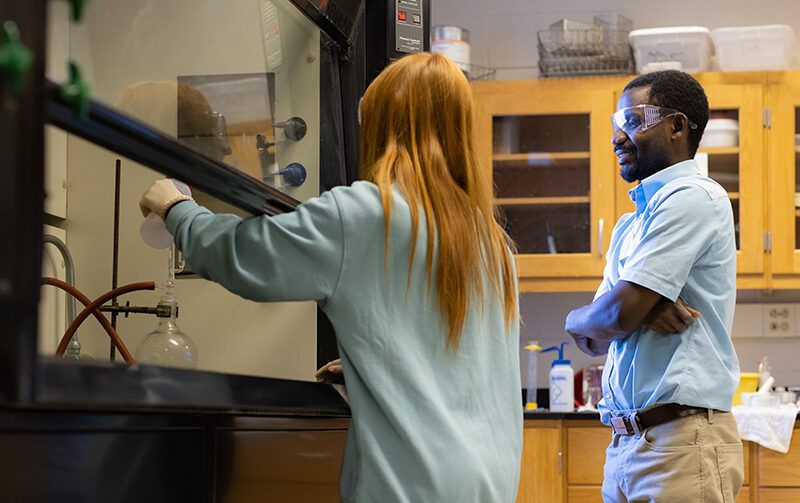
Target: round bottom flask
x,y
167,346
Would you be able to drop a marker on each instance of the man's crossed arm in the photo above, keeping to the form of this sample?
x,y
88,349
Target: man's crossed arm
x,y
619,312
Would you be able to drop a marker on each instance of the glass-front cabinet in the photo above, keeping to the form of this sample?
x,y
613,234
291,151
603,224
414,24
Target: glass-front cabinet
x,y
785,175
732,149
548,144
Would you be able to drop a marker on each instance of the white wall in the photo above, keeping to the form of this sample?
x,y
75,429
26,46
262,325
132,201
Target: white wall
x,y
543,317
503,32
503,36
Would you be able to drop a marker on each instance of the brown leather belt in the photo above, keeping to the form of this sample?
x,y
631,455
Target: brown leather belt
x,y
639,421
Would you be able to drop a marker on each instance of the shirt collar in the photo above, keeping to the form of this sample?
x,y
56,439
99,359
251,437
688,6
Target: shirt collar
x,y
642,193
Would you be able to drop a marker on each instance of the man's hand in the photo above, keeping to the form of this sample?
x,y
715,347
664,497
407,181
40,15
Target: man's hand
x,y
669,317
331,373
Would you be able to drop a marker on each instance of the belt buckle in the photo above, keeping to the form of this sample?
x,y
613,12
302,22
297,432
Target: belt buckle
x,y
625,425
620,426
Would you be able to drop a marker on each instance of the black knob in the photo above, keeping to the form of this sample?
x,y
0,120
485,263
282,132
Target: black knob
x,y
294,128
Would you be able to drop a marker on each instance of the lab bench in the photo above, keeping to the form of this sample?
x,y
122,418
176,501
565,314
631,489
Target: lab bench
x,y
100,432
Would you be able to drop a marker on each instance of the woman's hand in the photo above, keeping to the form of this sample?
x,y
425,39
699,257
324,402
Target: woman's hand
x,y
669,317
160,197
331,373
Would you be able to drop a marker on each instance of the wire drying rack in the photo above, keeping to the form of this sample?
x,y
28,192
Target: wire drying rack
x,y
476,73
573,53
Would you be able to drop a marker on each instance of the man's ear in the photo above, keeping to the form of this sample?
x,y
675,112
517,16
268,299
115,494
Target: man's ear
x,y
680,126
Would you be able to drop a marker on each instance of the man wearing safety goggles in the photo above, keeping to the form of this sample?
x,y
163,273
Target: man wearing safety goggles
x,y
671,370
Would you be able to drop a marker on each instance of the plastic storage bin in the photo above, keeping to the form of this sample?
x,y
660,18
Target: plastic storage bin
x,y
769,47
688,48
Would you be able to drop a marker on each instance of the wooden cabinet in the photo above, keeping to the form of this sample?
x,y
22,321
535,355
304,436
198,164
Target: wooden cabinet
x,y
563,460
771,495
586,455
783,95
739,169
547,142
780,470
559,199
541,474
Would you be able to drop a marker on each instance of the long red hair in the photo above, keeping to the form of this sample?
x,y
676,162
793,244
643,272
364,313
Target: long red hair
x,y
417,131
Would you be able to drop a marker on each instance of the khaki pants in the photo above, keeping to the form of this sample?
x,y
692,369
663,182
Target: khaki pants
x,y
695,459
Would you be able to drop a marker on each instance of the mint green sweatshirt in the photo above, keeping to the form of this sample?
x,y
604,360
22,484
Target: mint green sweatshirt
x,y
427,425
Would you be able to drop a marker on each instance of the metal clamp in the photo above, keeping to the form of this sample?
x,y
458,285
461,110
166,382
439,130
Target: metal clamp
x,y
76,92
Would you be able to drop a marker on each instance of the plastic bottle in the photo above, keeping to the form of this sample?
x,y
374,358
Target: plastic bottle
x,y
561,382
764,372
530,393
153,230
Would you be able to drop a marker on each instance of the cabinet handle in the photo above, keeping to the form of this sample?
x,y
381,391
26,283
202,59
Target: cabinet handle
x,y
559,462
600,226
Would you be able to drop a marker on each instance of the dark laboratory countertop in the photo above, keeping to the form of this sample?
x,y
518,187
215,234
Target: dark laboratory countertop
x,y
546,414
106,386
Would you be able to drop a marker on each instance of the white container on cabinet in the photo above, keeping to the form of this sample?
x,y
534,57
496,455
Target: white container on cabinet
x,y
752,48
688,48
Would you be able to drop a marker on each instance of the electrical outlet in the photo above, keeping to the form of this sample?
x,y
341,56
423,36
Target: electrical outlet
x,y
779,320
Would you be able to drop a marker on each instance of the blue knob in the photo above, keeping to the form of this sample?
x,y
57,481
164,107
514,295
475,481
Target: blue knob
x,y
294,174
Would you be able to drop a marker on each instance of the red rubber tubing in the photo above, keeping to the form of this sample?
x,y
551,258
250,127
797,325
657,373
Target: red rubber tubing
x,y
112,334
92,308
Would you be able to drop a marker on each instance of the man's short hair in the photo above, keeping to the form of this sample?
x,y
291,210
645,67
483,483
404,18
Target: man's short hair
x,y
678,90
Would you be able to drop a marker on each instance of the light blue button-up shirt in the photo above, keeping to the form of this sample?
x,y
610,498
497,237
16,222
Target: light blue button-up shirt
x,y
679,243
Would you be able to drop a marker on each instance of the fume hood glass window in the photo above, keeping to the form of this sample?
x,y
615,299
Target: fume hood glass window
x,y
238,81
541,168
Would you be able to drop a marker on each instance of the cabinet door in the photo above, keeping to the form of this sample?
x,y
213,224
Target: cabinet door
x,y
548,145
739,169
780,470
784,144
541,478
586,454
779,495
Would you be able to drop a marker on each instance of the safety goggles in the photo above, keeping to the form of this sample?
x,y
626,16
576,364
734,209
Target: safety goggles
x,y
643,117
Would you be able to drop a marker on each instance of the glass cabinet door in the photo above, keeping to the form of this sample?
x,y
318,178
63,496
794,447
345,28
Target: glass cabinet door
x,y
733,144
785,177
542,176
550,155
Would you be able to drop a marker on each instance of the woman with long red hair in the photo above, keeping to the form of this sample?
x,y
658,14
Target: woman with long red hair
x,y
418,279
